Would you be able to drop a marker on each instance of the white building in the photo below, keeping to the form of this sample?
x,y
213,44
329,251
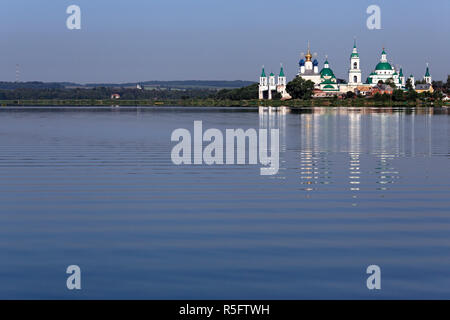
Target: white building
x,y
308,69
427,77
328,81
325,80
402,78
384,72
354,73
268,85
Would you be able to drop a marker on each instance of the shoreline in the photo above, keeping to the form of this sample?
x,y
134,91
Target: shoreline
x,y
221,103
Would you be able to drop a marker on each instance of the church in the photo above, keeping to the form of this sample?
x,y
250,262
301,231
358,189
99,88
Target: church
x,y
326,82
269,85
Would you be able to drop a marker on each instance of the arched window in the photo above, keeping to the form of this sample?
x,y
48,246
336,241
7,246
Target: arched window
x,y
355,65
355,79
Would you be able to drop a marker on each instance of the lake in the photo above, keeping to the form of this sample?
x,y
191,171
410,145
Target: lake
x,y
96,187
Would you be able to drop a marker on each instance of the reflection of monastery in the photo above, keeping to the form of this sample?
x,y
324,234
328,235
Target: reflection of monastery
x,y
327,84
355,148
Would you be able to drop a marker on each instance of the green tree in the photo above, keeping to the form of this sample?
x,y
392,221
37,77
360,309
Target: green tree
x,y
300,88
438,85
421,82
398,95
276,95
245,93
437,95
350,95
390,82
447,85
412,95
377,96
409,86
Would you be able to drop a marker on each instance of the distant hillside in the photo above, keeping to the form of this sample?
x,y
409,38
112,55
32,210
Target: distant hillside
x,y
32,85
189,84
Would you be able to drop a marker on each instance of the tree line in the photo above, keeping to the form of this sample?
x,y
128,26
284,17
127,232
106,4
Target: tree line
x,y
298,88
102,93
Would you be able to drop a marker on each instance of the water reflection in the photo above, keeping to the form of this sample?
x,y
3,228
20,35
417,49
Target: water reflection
x,y
275,118
97,188
354,129
308,167
388,135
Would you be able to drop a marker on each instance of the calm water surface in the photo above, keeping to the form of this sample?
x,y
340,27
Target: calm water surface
x,y
97,188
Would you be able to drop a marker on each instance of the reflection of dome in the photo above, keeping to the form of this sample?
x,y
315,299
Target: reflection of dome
x,y
301,63
383,66
315,62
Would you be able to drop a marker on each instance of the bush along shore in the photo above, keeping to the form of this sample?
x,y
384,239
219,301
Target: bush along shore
x,y
322,102
300,90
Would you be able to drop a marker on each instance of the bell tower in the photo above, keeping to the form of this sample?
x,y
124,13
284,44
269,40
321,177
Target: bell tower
x,y
354,73
427,76
263,85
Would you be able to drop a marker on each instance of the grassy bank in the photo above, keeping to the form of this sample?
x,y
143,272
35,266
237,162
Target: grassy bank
x,y
212,102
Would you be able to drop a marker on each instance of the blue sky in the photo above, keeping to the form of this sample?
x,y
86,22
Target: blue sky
x,y
137,40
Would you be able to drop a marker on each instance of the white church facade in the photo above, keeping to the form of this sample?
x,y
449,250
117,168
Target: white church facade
x,y
325,80
269,85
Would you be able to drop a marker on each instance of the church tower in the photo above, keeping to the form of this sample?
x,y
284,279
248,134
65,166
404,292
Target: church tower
x,y
263,85
354,73
272,84
281,86
282,77
308,62
427,76
402,78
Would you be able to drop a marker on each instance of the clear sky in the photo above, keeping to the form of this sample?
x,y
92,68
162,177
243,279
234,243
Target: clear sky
x,y
137,40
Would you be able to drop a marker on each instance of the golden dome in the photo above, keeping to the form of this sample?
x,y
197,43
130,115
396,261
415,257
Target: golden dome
x,y
308,56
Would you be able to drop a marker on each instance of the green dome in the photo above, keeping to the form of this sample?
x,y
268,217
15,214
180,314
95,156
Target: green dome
x,y
383,66
327,72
